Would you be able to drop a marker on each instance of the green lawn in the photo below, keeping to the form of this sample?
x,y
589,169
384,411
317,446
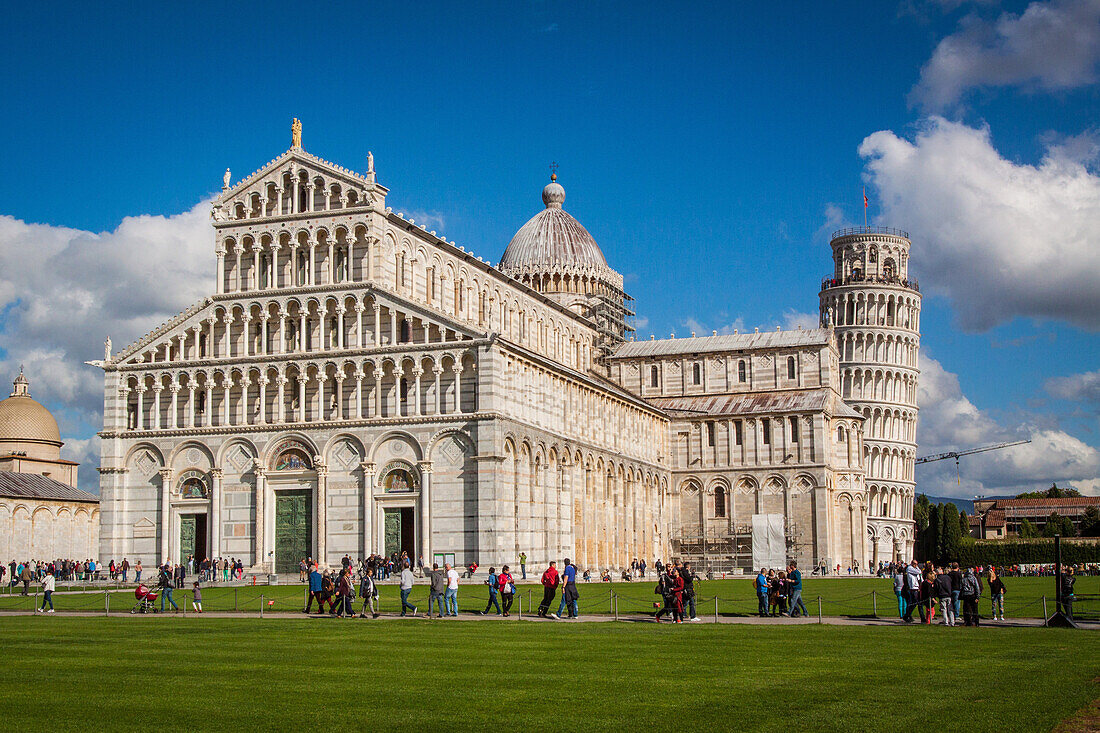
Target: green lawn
x,y
840,597
329,674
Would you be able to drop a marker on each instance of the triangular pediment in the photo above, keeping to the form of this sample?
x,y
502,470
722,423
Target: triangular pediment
x,y
297,161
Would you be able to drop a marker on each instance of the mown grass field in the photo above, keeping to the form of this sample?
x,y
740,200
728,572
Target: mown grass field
x,y
840,597
66,673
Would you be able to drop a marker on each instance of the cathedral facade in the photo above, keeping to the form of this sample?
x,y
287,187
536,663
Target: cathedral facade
x,y
357,384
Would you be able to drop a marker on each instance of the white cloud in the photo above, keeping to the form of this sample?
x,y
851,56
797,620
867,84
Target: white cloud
x,y
948,421
63,291
700,329
1051,46
792,319
428,219
1000,239
1083,387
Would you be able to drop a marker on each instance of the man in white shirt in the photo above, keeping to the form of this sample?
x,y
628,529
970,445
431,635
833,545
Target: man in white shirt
x,y
451,596
47,592
406,588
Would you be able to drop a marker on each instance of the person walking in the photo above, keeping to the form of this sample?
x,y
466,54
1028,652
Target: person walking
x,y
406,583
196,597
137,572
507,589
689,577
997,595
125,570
761,585
1068,597
677,591
927,602
899,590
491,581
523,564
451,594
368,591
48,585
345,593
943,588
970,593
165,583
794,577
315,591
25,576
437,587
912,591
664,589
569,593
956,582
549,588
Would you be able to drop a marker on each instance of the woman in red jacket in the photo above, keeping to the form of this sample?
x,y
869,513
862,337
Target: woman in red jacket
x,y
507,589
677,598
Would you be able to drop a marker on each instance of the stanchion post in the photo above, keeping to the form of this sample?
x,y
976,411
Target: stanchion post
x,y
716,609
616,604
261,605
1045,614
874,604
519,616
819,609
106,604
610,599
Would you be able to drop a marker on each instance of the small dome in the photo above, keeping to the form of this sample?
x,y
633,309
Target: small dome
x,y
552,237
553,194
24,419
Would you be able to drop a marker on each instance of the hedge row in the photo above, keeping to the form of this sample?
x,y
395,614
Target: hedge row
x,y
1020,552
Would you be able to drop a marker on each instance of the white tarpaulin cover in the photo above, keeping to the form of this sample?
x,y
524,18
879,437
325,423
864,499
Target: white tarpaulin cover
x,y
769,546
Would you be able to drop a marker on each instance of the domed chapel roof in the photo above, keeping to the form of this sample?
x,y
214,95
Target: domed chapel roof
x,y
552,237
24,419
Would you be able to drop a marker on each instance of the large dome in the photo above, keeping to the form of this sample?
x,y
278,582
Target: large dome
x,y
22,419
552,238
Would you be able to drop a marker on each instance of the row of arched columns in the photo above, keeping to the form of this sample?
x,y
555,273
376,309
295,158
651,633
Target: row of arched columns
x,y
865,308
885,348
302,392
296,191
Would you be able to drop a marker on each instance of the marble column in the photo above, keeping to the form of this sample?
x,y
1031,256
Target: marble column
x,y
368,507
165,512
215,513
321,513
260,525
425,512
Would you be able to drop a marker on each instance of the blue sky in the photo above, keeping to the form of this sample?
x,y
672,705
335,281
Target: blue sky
x,y
710,149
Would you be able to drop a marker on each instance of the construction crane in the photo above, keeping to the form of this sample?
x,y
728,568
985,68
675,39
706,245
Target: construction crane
x,y
957,454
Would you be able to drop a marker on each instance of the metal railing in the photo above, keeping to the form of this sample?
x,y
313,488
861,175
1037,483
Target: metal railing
x,y
836,282
848,231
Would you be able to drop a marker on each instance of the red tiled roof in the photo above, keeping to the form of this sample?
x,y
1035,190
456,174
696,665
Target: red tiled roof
x,y
995,518
1046,502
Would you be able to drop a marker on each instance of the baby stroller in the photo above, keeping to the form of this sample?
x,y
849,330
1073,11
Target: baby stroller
x,y
146,597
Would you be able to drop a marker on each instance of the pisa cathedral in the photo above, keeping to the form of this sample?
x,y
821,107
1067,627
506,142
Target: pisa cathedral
x,y
357,385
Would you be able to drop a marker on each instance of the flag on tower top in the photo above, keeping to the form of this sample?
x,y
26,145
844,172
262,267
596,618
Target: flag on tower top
x,y
865,202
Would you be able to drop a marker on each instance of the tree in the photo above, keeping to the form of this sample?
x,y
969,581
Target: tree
x,y
1059,525
1090,523
1028,530
1052,493
950,534
964,524
920,512
928,540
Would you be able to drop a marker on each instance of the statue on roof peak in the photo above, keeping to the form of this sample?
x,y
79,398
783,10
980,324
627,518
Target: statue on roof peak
x,y
296,134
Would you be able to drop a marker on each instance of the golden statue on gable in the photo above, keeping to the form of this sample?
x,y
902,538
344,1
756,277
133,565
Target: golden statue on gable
x,y
296,133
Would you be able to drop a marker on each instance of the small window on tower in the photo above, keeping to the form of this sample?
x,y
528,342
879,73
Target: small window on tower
x,y
710,434
654,376
741,371
791,370
794,429
766,429
737,438
696,374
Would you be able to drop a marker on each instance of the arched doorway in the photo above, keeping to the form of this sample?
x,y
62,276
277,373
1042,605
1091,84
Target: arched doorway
x,y
399,483
293,485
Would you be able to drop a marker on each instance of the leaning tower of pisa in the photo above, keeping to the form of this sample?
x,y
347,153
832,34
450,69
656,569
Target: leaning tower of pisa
x,y
874,308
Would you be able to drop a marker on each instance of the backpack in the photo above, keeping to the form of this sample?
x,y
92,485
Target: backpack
x,y
969,587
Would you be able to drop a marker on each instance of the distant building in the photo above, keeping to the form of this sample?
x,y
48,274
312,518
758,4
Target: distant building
x,y
43,516
998,518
